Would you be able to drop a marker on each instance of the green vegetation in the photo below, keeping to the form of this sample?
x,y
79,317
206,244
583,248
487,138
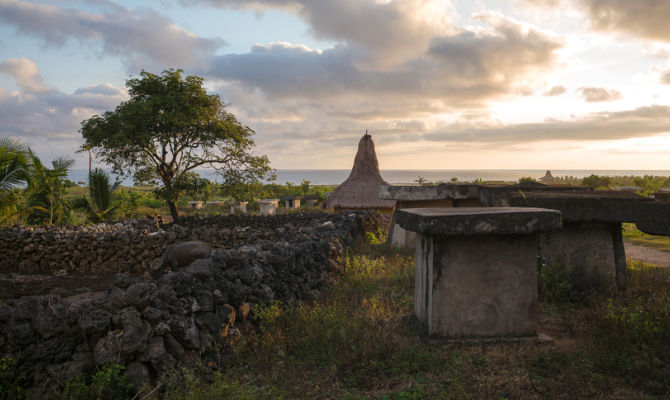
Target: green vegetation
x,y
527,179
107,384
98,206
169,127
45,196
356,341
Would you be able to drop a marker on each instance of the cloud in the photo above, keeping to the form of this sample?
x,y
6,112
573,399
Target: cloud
x,y
665,78
463,69
596,94
639,122
137,37
26,73
50,119
645,18
555,91
384,31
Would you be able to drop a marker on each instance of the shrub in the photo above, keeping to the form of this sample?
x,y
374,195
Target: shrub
x,y
107,384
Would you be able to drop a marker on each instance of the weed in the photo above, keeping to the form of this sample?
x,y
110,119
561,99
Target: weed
x,y
10,381
107,384
552,283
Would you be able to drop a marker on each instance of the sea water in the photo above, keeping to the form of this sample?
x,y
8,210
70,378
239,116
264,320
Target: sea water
x,y
411,176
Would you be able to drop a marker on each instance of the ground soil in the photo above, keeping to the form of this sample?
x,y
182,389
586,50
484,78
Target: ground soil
x,y
647,254
13,286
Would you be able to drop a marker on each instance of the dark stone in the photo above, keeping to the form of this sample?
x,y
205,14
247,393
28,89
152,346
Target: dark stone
x,y
122,281
180,255
251,274
205,299
186,333
108,348
95,322
152,314
138,295
200,269
158,356
173,346
478,221
20,332
136,332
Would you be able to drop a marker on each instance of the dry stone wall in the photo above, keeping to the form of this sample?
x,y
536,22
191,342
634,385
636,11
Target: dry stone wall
x,y
132,246
179,318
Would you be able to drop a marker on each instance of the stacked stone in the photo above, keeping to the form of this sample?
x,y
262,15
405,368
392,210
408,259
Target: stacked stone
x,y
184,317
132,246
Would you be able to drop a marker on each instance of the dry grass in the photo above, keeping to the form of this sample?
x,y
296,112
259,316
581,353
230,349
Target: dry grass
x,y
355,343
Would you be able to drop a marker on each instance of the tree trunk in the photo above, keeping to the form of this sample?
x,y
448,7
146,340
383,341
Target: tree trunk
x,y
173,211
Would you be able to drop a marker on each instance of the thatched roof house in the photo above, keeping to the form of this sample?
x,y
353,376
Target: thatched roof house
x,y
360,190
547,178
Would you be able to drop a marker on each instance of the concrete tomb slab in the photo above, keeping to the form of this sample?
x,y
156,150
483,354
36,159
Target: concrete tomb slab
x,y
476,269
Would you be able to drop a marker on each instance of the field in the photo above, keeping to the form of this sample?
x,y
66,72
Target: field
x,y
358,341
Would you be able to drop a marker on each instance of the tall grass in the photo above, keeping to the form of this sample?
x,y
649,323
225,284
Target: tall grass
x,y
356,341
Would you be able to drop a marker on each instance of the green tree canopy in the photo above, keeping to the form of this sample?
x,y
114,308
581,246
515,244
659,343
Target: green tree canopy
x,y
169,127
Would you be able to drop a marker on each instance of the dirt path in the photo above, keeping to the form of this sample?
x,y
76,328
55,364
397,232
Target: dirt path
x,y
647,254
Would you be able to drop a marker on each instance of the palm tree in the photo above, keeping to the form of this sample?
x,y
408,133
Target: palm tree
x,y
14,167
14,174
46,191
99,205
420,180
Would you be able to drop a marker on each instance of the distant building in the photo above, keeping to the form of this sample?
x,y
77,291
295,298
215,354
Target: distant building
x,y
547,178
268,206
291,202
361,190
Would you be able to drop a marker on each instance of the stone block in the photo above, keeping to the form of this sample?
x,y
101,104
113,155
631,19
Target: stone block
x,y
476,269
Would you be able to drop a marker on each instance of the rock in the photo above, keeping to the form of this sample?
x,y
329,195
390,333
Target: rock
x,y
136,332
186,333
138,295
200,269
95,322
180,255
152,314
328,224
161,329
108,348
158,356
173,346
205,299
251,274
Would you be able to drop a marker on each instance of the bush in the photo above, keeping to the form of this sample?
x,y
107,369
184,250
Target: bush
x,y
597,182
107,384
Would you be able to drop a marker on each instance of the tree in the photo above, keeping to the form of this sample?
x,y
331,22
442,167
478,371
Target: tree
x,y
46,191
99,205
420,180
168,128
14,168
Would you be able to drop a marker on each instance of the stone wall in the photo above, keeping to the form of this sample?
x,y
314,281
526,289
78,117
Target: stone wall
x,y
181,318
130,246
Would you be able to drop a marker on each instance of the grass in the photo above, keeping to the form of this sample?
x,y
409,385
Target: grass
x,y
355,342
633,235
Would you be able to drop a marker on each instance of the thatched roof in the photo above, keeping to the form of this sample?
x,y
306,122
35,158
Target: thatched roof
x,y
547,177
360,190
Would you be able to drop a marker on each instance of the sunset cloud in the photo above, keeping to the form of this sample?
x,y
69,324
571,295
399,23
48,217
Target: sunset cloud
x,y
639,122
138,37
48,118
598,94
645,18
458,70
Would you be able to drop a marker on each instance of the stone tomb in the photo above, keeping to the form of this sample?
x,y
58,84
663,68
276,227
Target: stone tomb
x,y
268,206
476,269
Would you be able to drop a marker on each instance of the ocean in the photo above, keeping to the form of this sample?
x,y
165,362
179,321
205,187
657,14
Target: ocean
x,y
409,176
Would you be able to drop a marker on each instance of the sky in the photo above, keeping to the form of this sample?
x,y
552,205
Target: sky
x,y
460,84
